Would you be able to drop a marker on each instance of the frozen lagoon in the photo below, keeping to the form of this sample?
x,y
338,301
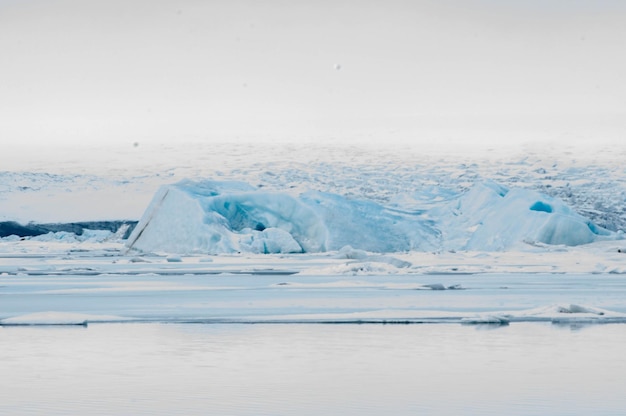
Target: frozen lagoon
x,y
77,287
102,334
136,355
280,298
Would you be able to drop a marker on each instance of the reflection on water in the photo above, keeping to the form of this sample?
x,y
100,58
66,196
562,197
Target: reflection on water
x,y
164,369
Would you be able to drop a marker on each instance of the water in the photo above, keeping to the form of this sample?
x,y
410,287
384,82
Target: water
x,y
312,369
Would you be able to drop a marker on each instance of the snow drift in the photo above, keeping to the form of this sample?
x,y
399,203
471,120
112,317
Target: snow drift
x,y
229,217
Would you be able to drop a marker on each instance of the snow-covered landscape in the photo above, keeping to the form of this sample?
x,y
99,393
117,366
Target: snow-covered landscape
x,y
332,219
310,208
302,282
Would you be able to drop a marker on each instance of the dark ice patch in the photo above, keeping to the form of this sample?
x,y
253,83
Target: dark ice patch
x,y
8,228
541,207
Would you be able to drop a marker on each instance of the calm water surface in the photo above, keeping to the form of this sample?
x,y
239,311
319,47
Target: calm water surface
x,y
300,369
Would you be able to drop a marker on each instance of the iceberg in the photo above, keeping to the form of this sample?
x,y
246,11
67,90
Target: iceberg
x,y
213,217
226,217
490,217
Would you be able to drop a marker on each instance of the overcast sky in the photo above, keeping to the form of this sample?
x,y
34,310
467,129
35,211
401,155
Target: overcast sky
x,y
121,70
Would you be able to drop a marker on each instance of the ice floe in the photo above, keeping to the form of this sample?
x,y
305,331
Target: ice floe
x,y
556,314
58,318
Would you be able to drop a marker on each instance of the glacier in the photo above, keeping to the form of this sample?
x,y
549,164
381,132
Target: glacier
x,y
216,217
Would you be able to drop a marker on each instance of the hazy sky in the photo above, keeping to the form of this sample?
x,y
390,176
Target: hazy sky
x,y
123,70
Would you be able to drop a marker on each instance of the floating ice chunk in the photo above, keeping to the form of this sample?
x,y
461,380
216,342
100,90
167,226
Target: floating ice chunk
x,y
493,220
401,264
347,252
270,240
227,217
435,286
368,268
578,309
441,286
138,260
570,313
194,217
485,319
354,269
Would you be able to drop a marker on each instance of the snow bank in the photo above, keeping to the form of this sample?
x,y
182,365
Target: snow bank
x,y
229,217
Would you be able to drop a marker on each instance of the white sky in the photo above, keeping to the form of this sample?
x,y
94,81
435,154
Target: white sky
x,y
104,71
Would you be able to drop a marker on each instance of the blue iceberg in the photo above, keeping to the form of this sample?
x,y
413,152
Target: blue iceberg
x,y
231,217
